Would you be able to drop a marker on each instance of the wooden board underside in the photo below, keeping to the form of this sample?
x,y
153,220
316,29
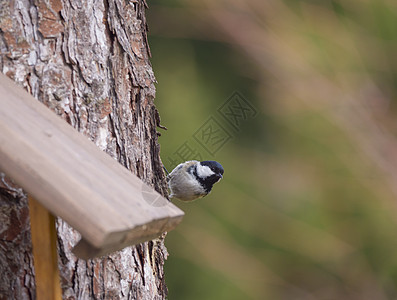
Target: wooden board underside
x,y
73,178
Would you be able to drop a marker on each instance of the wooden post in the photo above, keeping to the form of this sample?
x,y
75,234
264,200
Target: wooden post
x,y
44,239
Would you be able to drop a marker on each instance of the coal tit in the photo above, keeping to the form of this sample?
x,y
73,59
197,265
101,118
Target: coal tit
x,y
193,179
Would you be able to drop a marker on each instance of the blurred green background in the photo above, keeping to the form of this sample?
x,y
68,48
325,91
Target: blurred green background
x,y
307,207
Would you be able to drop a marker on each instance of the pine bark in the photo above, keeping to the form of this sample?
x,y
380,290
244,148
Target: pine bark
x,y
88,61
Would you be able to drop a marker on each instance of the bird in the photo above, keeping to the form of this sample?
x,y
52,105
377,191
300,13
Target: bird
x,y
194,179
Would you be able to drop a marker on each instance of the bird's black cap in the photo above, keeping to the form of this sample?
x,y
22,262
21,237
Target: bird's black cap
x,y
214,166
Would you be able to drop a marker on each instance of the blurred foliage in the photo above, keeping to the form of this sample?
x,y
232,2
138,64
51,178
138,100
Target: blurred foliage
x,y
307,206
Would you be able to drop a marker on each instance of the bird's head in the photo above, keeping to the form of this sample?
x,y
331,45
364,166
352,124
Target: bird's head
x,y
209,172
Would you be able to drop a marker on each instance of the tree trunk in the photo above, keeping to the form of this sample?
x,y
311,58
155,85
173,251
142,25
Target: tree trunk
x,y
89,62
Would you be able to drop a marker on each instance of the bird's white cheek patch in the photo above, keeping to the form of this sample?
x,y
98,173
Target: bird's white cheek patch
x,y
204,171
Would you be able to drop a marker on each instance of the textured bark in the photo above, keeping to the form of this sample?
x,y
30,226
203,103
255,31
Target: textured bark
x,y
89,62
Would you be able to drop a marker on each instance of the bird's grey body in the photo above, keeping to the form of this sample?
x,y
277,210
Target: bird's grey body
x,y
193,179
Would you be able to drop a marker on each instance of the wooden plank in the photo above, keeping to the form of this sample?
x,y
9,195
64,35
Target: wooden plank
x,y
73,178
44,241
